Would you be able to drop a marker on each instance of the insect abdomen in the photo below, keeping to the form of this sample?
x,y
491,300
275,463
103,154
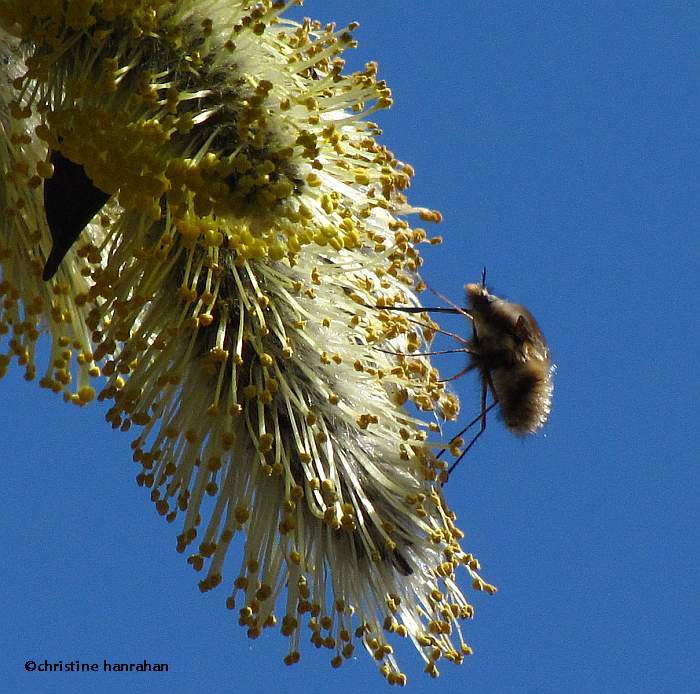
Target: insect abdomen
x,y
524,394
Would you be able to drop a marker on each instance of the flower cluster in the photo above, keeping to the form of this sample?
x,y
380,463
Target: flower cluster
x,y
29,306
230,292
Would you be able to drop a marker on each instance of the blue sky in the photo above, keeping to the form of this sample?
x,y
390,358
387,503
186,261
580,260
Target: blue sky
x,y
560,143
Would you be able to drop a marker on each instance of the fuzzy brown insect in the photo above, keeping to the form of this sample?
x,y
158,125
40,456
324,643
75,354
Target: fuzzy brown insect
x,y
510,353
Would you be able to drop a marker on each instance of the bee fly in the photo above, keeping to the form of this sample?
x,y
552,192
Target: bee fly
x,y
508,350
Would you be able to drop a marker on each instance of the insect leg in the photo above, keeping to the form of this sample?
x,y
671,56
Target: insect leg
x,y
433,328
481,418
486,383
463,371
